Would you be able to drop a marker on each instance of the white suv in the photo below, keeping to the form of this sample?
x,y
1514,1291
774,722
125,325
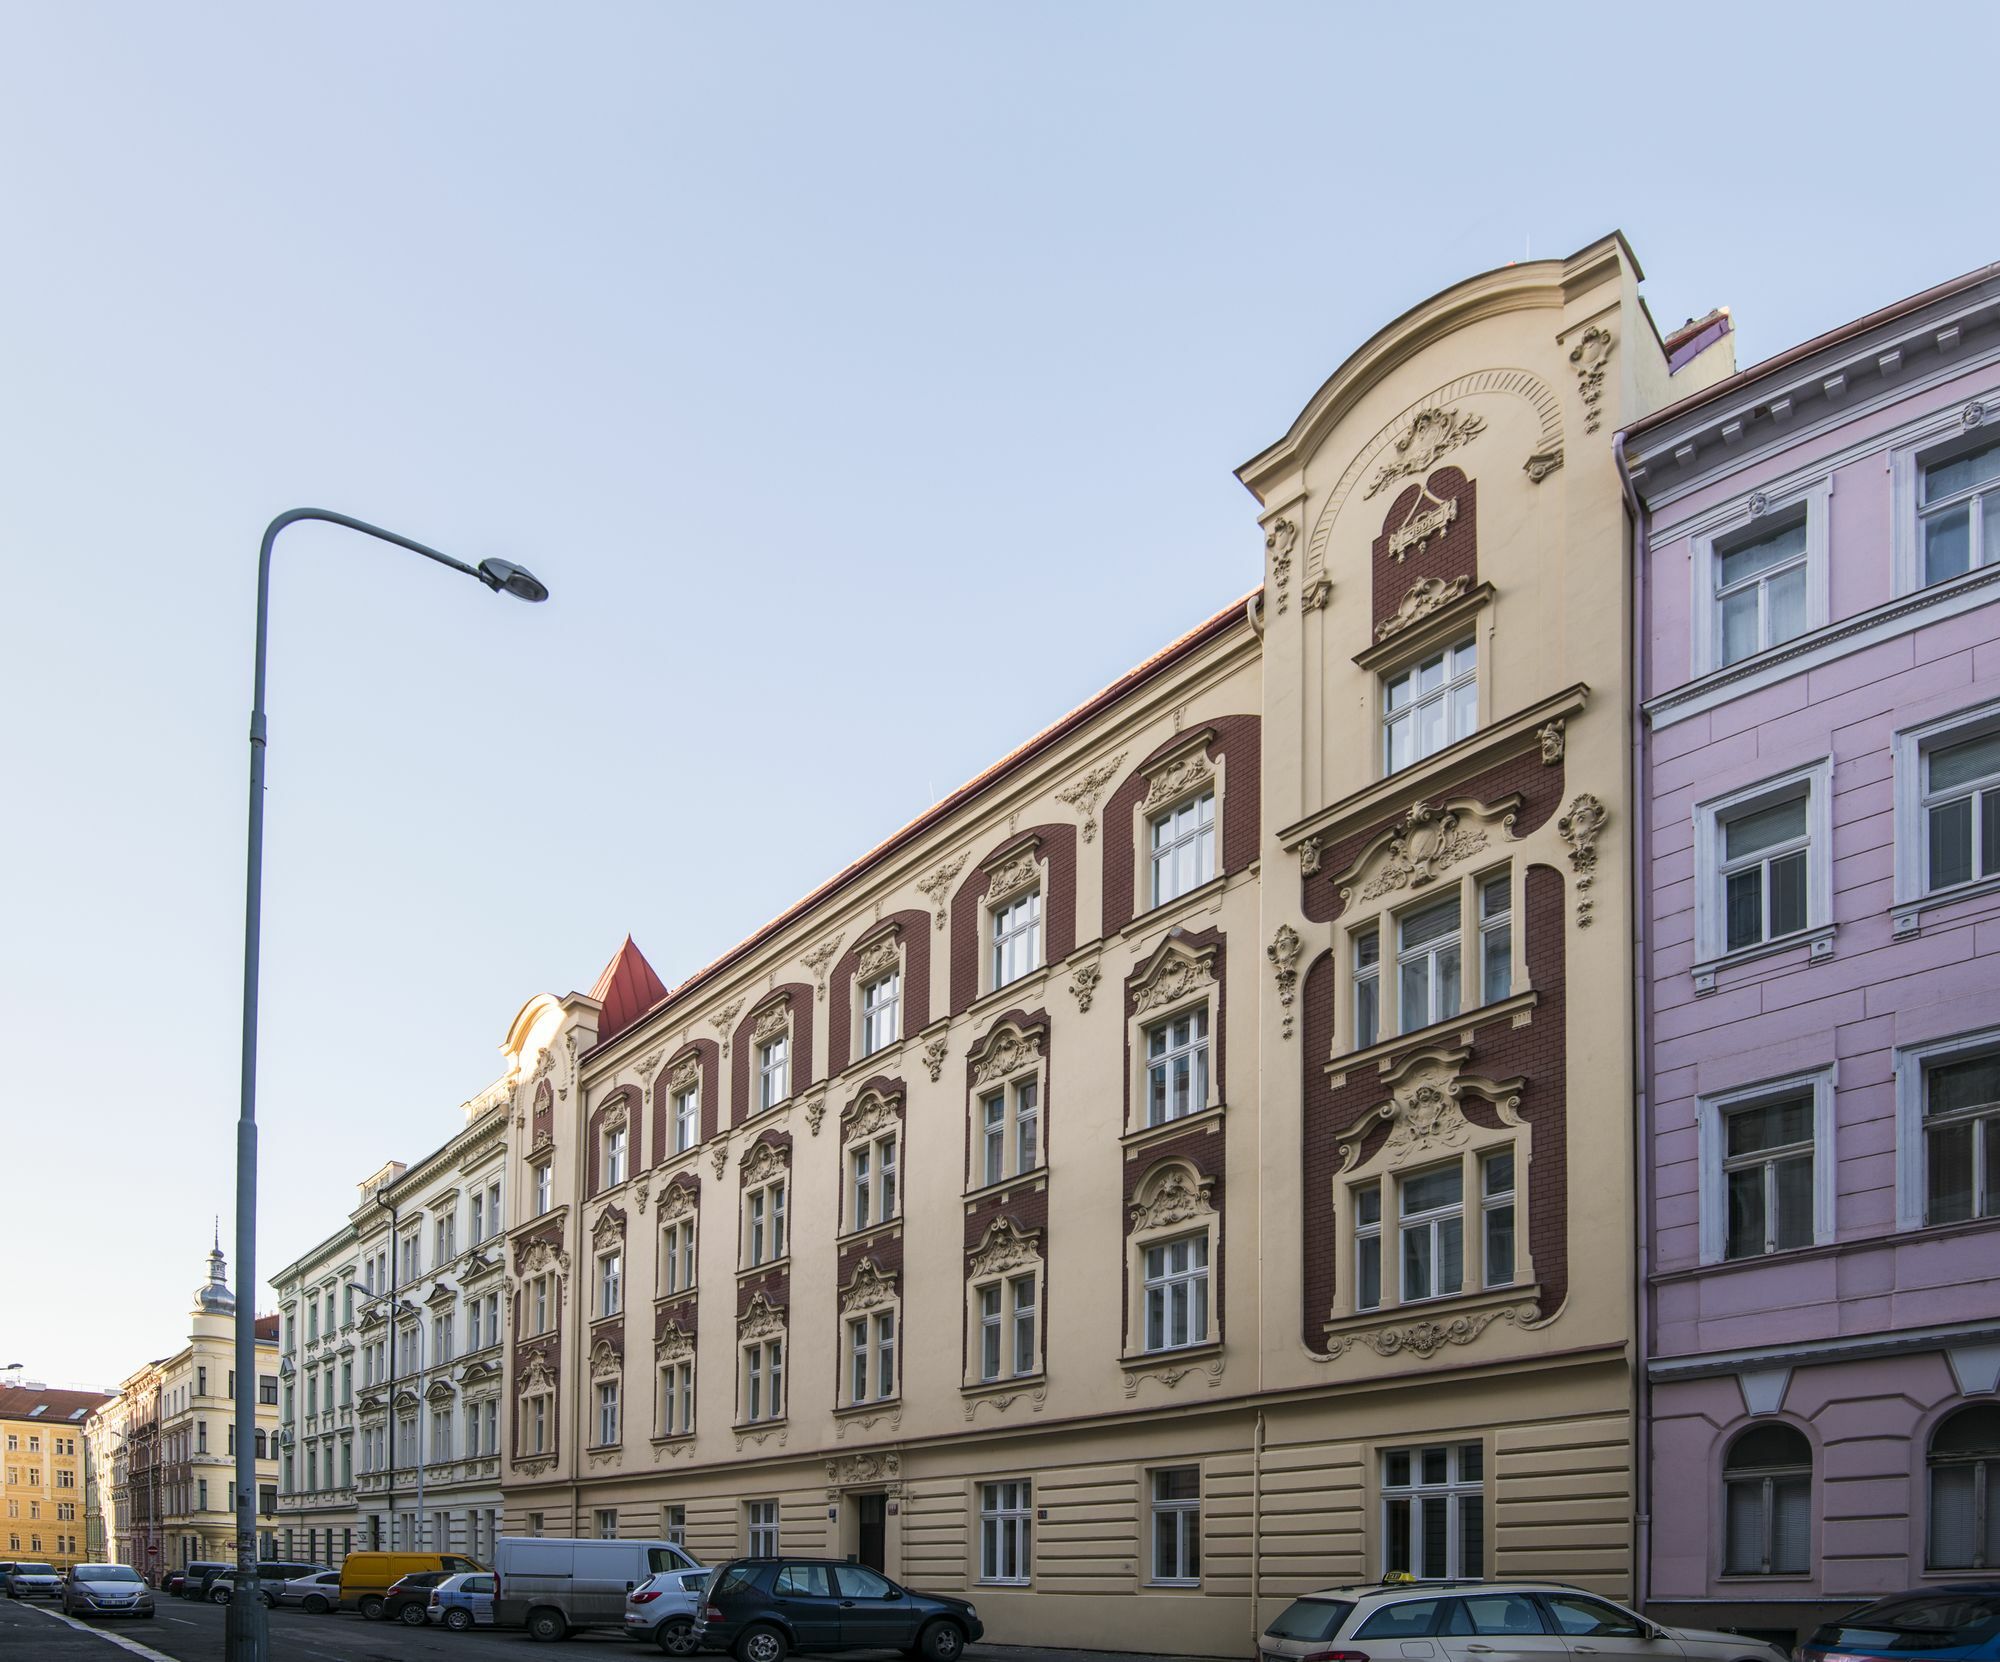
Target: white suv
x,y
1486,1621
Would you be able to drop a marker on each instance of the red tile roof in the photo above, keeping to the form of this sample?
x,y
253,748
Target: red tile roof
x,y
267,1328
19,1402
627,989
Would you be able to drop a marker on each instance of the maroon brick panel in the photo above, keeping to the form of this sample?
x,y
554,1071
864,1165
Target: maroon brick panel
x,y
683,1313
611,1331
802,1046
1240,739
1453,553
915,929
708,1054
886,1250
544,1116
968,910
1539,785
635,1114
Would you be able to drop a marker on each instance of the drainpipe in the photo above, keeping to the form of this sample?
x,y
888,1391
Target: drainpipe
x,y
1256,1524
1641,856
390,1207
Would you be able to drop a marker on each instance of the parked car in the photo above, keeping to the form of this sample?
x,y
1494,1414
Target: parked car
x,y
553,1585
220,1587
1487,1621
761,1608
34,1581
663,1609
408,1599
106,1590
366,1577
463,1601
1960,1620
194,1578
316,1594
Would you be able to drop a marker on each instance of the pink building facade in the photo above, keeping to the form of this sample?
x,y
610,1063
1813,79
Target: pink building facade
x,y
1817,619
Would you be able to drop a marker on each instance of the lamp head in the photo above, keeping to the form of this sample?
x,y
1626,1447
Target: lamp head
x,y
519,581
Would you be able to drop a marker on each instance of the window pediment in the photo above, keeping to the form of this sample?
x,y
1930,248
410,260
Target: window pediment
x,y
605,1362
1016,873
440,1391
763,1320
872,1111
1008,1049
1181,773
1429,840
1423,1111
676,1200
879,956
867,1289
536,1377
761,1162
684,1075
542,1258
1175,971
1004,1248
615,1113
773,1021
609,1230
1175,1194
675,1344
441,1296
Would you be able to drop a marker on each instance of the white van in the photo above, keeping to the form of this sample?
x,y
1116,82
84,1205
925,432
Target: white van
x,y
553,1587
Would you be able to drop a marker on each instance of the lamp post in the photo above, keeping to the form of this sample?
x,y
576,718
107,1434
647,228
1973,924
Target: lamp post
x,y
246,1631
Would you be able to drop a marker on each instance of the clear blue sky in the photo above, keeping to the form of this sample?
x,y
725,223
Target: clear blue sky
x,y
864,380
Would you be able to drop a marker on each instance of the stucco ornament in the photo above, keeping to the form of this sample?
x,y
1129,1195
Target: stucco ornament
x,y
673,1345
615,1115
535,1377
542,1258
1541,464
934,1050
1003,1249
718,1157
772,1021
864,1468
1433,432
1280,542
1428,842
878,957
1083,794
1017,872
815,1112
1316,593
763,1320
676,1200
1083,983
867,1289
535,1467
1170,1199
650,1063
609,1228
1553,740
642,1195
1429,516
1310,851
1427,595
1426,1339
1176,976
1181,777
1173,1375
1590,355
1009,1050
761,1161
725,1016
605,1362
1580,828
1284,955
938,884
870,1112
819,960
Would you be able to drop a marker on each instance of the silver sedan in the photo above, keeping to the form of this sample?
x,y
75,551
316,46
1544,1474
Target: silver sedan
x,y
106,1590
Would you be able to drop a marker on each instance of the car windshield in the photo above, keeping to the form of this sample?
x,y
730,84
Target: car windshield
x,y
105,1572
1921,1621
34,1569
1310,1619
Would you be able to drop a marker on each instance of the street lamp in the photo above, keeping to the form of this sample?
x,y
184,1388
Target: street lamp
x,y
246,1634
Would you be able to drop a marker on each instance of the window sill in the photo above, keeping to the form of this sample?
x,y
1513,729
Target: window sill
x,y
875,1058
597,1321
1135,1142
667,1300
750,1428
1006,1188
770,1266
888,1230
1356,1326
1520,1006
1908,914
1750,1578
1013,992
874,1405
1000,1387
1203,1352
1172,1586
673,1441
1817,941
1169,912
984,1582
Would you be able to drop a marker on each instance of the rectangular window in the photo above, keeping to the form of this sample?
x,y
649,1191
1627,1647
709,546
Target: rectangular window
x,y
1764,854
674,1524
1017,938
1427,967
615,1145
687,1118
478,1219
1022,1287
1763,867
677,1399
872,1357
1431,1229
541,1304
1367,988
773,1072
605,1521
1432,704
1176,1496
1959,512
872,1183
764,1381
996,1122
989,1332
762,1518
607,1411
1368,1247
765,1224
1183,848
610,1283
1006,1514
1177,1066
880,1013
538,1424
1760,590
677,1268
1768,1174
1434,1512
1496,938
1177,1293
1962,1139
544,1187
1961,809
1496,1178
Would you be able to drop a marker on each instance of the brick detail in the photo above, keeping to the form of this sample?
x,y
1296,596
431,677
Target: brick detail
x,y
612,1333
635,1115
775,1285
1207,1150
886,1250
968,910
801,1053
896,1093
708,1054
1240,738
1218,1038
1028,1211
544,1118
1455,553
915,930
1028,1021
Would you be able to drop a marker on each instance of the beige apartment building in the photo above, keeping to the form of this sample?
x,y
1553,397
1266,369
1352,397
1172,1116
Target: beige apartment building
x,y
44,1483
1192,1163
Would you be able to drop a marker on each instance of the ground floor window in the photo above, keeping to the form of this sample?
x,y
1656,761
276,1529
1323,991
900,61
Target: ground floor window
x,y
1767,1507
1176,1498
1434,1511
1965,1490
607,1523
762,1517
1005,1531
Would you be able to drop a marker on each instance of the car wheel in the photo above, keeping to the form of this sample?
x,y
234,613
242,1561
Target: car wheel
x,y
942,1642
546,1624
676,1636
411,1615
316,1605
457,1620
218,1595
762,1643
371,1608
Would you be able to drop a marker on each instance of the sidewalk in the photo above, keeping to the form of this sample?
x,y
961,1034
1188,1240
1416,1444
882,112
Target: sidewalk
x,y
1044,1653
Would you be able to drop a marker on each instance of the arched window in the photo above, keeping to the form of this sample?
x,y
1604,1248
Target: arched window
x,y
1767,1490
1965,1490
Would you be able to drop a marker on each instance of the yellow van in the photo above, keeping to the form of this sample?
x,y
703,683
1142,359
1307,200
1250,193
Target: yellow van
x,y
366,1577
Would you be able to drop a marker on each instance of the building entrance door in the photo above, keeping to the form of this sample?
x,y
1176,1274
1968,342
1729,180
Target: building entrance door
x,y
872,1513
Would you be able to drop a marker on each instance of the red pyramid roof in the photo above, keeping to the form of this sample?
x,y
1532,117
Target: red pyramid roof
x,y
627,989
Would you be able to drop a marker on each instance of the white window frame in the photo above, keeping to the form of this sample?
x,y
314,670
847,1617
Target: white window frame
x,y
1912,1062
871,1356
1430,1224
872,1175
677,1398
1006,1314
1366,981
1185,1517
1014,920
1427,952
615,1165
1912,747
1711,1114
1163,856
1193,1052
881,1012
762,1374
610,1283
685,1113
608,1415
1711,910
1762,530
1009,1093
1492,926
1937,440
677,1256
1814,497
1189,1287
765,1224
1386,718
760,1526
1007,1531
1367,1230
1453,1490
544,1186
774,1071
1492,1202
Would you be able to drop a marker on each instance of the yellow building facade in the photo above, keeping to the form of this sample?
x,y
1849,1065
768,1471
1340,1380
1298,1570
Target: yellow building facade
x,y
43,1484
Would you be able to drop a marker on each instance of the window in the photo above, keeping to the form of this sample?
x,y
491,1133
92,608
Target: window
x,y
677,1257
1177,1293
871,1350
544,1187
1010,1122
1434,1512
1427,964
1965,1490
764,1381
1006,1552
1764,857
440,1434
447,1238
200,1390
773,1072
1760,589
1959,512
1431,1229
880,1013
674,1524
1961,805
605,1523
1177,1526
1432,704
1367,988
1183,848
1177,1066
1581,1617
614,1156
764,1224
1763,867
540,1299
687,1118
610,1283
871,1190
677,1400
1496,1180
1961,1147
1767,1167
761,1517
478,1218
1017,938
1496,938
607,1411
1767,1504
1368,1247
538,1424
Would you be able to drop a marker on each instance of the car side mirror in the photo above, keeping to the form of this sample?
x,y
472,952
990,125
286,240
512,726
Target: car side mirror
x,y
894,1593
